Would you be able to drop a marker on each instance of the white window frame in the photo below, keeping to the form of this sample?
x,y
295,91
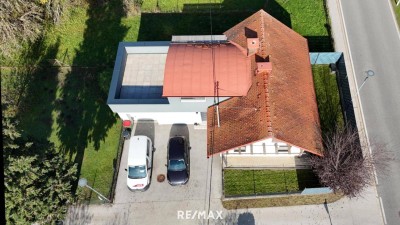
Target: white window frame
x,y
281,148
241,150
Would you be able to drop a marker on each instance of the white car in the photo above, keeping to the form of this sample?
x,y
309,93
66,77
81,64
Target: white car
x,y
139,163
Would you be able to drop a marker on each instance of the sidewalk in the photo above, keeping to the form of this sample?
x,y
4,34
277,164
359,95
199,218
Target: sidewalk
x,y
343,212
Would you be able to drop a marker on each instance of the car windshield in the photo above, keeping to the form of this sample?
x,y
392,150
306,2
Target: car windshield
x,y
137,172
176,165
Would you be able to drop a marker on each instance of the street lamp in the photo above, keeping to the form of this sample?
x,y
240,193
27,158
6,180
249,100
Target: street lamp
x,y
83,183
369,73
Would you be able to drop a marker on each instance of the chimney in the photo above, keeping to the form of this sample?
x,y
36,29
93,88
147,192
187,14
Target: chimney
x,y
264,67
253,44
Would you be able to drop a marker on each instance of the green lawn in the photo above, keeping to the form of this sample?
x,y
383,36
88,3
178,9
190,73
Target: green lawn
x,y
328,99
68,105
239,182
98,165
396,11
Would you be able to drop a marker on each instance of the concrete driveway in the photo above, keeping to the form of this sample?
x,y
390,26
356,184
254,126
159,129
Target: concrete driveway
x,y
161,203
194,190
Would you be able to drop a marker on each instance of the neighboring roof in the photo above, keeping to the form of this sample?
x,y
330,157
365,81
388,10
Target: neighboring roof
x,y
280,103
189,70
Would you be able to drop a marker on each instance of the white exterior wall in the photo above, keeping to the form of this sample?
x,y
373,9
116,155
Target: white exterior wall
x,y
165,117
267,148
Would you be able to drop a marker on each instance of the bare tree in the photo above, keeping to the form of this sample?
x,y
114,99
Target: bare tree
x,y
347,165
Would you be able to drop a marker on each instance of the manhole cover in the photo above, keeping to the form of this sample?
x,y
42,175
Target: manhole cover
x,y
161,178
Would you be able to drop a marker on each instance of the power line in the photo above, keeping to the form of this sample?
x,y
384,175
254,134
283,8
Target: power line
x,y
216,100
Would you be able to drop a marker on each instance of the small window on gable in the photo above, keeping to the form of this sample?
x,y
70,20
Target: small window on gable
x,y
282,148
240,150
193,99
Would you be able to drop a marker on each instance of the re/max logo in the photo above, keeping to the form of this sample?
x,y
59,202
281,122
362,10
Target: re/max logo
x,y
196,214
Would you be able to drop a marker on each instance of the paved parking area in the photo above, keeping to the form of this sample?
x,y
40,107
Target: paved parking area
x,y
197,187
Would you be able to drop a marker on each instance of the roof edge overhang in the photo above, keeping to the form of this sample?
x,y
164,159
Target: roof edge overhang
x,y
307,150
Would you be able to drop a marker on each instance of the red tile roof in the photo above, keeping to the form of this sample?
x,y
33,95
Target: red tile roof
x,y
281,102
189,70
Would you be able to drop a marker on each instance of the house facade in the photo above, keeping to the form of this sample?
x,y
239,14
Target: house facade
x,y
251,88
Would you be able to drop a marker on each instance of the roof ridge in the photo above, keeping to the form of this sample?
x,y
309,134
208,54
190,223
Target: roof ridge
x,y
267,103
262,29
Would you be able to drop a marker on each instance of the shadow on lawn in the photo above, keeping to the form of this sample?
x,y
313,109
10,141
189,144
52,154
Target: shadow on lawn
x,y
195,20
41,86
85,115
307,179
328,100
161,26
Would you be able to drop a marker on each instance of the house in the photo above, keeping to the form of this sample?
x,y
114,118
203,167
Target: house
x,y
252,87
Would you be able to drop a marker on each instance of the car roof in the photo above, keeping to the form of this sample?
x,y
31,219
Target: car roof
x,y
137,150
176,147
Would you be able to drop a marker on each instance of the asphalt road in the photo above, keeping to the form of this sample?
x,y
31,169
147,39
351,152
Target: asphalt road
x,y
375,45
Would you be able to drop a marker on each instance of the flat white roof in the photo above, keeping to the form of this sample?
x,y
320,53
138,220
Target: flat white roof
x,y
137,151
143,75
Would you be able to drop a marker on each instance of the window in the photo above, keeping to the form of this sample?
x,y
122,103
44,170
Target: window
x,y
176,165
282,148
137,172
239,150
193,99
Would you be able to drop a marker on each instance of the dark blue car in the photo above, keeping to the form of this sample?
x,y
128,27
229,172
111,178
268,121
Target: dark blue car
x,y
178,169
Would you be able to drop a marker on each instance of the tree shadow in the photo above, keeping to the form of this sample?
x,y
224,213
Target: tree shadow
x,y
320,43
328,99
219,16
40,89
161,26
78,215
84,115
307,179
278,12
224,15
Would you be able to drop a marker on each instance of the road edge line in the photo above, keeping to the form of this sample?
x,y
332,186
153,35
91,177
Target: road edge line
x,y
383,210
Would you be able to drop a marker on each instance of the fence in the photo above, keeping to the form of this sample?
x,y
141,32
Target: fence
x,y
116,165
256,182
337,63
